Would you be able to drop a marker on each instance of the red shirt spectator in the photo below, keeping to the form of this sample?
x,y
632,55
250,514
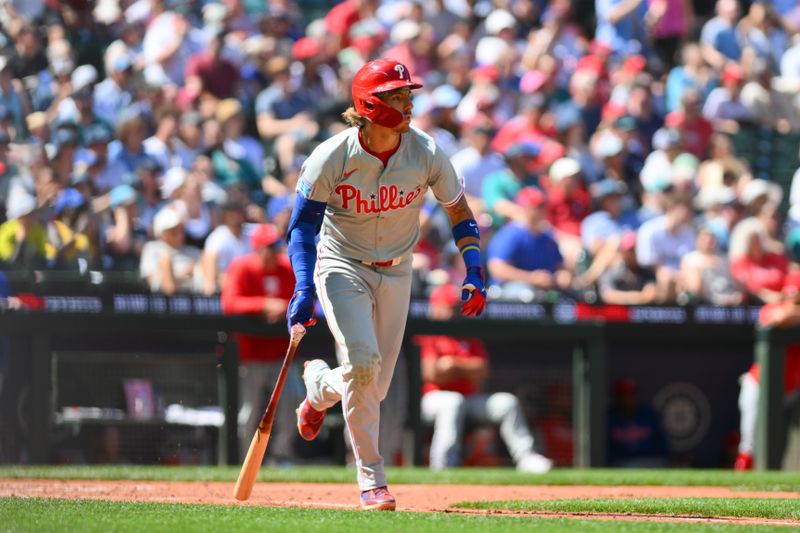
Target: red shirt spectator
x,y
262,283
218,76
768,272
568,203
341,18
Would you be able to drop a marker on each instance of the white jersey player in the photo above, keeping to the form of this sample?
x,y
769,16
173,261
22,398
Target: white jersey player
x,y
362,190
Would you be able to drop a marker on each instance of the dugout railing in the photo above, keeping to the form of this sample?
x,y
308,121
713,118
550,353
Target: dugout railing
x,y
178,328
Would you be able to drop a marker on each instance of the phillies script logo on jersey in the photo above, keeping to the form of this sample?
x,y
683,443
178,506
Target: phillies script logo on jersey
x,y
388,198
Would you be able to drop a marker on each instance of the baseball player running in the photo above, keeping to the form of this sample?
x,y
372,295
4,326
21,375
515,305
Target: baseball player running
x,y
362,190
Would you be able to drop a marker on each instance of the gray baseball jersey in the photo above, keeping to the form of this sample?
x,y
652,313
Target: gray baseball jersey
x,y
373,212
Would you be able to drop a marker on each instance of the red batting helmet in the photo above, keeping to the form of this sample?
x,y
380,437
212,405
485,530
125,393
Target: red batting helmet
x,y
375,77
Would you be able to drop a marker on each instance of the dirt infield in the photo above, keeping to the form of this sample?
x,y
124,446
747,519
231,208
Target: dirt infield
x,y
416,498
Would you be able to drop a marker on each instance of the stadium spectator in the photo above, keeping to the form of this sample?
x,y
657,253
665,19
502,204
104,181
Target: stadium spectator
x,y
477,159
209,74
500,188
22,238
720,39
524,258
225,243
167,263
706,274
72,242
453,371
662,242
724,106
284,112
691,73
568,204
261,283
626,282
760,271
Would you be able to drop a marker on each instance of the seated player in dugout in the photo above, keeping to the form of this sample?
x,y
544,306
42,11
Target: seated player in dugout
x,y
362,190
453,371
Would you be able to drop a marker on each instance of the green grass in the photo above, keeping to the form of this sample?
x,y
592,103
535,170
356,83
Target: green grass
x,y
71,516
787,481
787,509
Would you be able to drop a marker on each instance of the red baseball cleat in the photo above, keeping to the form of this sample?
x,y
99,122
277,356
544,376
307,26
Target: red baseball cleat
x,y
378,500
744,461
309,420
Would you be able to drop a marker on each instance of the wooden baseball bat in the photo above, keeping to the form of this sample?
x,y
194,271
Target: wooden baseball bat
x,y
258,446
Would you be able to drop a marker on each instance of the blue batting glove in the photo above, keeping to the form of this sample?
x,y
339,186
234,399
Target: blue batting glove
x,y
301,309
473,293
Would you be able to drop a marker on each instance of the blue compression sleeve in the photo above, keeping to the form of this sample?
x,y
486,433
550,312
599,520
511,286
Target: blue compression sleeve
x,y
471,252
304,225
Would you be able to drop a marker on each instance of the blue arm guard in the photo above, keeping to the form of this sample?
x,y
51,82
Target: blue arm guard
x,y
304,225
470,252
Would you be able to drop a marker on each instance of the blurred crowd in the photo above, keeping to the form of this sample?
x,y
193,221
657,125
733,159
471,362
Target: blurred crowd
x,y
597,141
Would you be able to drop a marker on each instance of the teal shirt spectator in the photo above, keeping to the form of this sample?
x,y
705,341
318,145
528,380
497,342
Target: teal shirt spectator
x,y
502,185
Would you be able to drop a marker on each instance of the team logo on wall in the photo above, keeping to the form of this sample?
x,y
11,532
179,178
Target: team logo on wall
x,y
685,415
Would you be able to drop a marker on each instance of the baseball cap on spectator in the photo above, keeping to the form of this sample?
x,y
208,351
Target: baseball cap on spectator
x,y
625,123
82,78
599,48
214,14
227,109
612,111
446,96
166,219
709,197
608,187
173,180
523,149
628,241
532,81
499,20
608,145
405,30
634,64
36,120
444,296
20,204
148,164
758,188
684,167
68,199
61,138
85,158
491,50
562,168
530,197
264,235
107,11
732,73
664,139
306,48
551,152
97,134
567,116
121,63
122,195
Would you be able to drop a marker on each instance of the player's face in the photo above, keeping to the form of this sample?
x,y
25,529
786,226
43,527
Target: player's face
x,y
400,100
